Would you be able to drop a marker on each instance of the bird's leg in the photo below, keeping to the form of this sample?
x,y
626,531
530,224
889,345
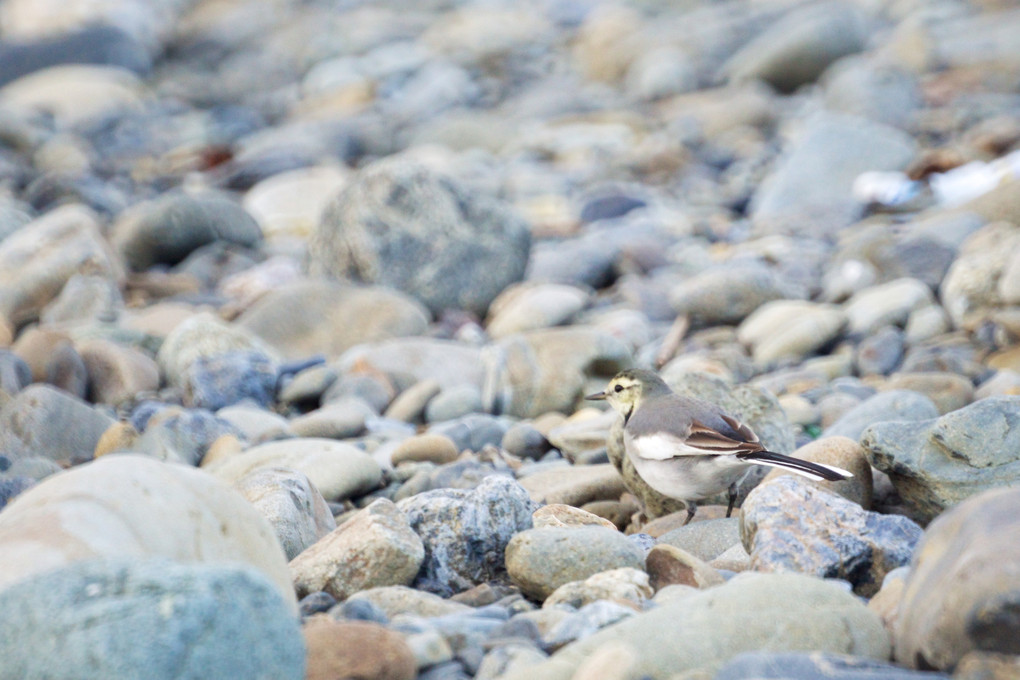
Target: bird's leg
x,y
691,509
731,495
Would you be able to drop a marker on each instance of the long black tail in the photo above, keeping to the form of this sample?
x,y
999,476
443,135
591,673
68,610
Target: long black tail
x,y
815,471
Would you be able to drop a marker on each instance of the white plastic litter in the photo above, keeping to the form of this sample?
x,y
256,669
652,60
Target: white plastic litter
x,y
946,189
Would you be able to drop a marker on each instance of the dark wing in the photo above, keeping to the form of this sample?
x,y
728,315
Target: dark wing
x,y
714,441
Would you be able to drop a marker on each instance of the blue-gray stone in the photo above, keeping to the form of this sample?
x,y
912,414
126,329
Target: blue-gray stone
x,y
185,436
884,406
154,619
789,524
473,432
15,374
11,487
91,45
465,532
937,463
228,378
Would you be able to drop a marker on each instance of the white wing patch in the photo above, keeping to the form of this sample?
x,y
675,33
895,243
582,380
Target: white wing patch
x,y
662,447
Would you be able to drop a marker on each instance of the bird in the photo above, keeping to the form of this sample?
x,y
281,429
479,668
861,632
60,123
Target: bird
x,y
690,449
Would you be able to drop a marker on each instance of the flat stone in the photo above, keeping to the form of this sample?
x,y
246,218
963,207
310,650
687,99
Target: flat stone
x,y
804,613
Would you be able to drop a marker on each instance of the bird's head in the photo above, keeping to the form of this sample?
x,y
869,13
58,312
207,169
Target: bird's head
x,y
629,388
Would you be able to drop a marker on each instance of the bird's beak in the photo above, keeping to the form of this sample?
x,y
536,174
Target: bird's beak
x,y
598,396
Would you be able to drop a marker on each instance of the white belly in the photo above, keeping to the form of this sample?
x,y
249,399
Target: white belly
x,y
689,478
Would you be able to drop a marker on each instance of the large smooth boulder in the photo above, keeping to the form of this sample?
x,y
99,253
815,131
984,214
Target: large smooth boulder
x,y
125,505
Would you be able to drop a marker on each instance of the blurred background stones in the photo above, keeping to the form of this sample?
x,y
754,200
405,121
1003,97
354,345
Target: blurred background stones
x,y
302,299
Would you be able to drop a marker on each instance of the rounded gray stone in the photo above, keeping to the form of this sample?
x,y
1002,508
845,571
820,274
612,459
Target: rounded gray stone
x,y
125,619
401,224
541,560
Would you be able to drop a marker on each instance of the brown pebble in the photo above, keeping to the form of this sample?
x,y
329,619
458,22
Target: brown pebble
x,y
432,448
356,649
668,565
118,437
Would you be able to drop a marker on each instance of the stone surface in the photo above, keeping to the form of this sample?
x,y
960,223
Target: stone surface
x,y
961,591
791,200
170,228
117,373
843,453
541,560
789,525
575,485
37,260
668,565
794,665
356,649
376,547
544,370
291,503
337,470
133,506
796,49
152,618
400,224
890,406
466,532
43,421
935,464
323,317
804,613
625,584
789,329
705,540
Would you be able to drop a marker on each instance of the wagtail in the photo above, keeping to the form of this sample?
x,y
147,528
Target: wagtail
x,y
689,449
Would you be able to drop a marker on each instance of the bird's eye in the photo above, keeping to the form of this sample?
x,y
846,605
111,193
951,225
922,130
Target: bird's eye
x,y
618,388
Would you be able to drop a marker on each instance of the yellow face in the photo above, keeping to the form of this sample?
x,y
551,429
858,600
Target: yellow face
x,y
623,393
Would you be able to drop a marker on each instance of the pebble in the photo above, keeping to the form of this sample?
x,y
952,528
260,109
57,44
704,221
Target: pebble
x,y
625,584
339,419
376,547
936,630
356,649
290,502
338,470
210,523
433,448
524,440
668,565
57,244
464,247
541,560
804,612
118,618
893,405
25,426
394,600
308,316
823,534
466,532
937,463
